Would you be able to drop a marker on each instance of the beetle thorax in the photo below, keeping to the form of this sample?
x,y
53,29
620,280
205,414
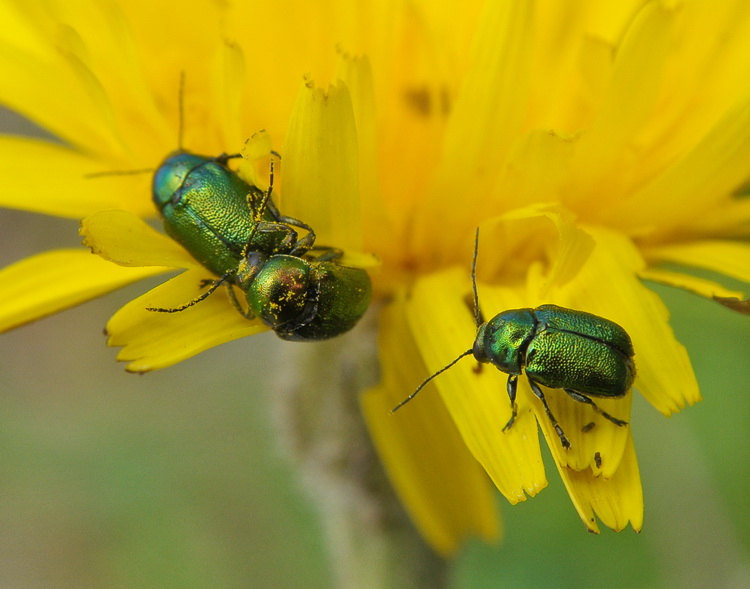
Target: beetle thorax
x,y
506,338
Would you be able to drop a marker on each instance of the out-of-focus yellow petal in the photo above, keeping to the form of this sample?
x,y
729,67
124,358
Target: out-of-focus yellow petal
x,y
153,340
695,182
442,486
321,170
356,73
522,184
639,64
608,286
700,286
616,500
73,116
29,166
726,257
56,280
227,91
443,327
494,91
123,238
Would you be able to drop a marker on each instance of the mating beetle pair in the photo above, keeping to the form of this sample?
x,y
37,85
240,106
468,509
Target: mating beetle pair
x,y
560,348
234,230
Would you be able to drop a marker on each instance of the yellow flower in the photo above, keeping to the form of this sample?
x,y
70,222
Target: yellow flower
x,y
593,143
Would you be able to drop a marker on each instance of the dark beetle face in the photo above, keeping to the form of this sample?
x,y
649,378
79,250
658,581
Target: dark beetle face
x,y
278,294
307,301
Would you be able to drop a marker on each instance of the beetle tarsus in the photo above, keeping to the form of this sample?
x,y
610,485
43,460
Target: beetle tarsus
x,y
214,285
581,398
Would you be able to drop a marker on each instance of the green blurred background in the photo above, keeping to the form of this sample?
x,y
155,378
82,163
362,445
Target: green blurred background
x,y
176,478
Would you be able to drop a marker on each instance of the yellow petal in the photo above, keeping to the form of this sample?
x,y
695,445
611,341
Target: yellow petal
x,y
257,147
443,327
726,257
494,92
442,486
356,73
30,166
608,286
616,500
153,340
595,442
321,170
639,65
522,184
52,281
124,239
72,115
696,182
700,286
227,90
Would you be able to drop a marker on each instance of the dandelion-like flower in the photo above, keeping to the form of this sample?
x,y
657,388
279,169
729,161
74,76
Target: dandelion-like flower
x,y
595,145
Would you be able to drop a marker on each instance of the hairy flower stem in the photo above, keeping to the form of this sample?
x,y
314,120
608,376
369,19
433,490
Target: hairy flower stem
x,y
372,542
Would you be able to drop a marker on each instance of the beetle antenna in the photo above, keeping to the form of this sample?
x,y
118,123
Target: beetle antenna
x,y
118,173
428,379
259,212
477,313
181,110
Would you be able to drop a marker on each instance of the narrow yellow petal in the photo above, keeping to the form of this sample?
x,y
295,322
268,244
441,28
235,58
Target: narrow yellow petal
x,y
69,115
321,170
56,280
639,65
227,91
616,500
700,286
726,257
151,340
29,165
123,238
441,484
494,92
356,73
443,327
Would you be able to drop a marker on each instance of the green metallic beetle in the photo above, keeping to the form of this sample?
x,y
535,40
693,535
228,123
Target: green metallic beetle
x,y
234,230
580,353
211,211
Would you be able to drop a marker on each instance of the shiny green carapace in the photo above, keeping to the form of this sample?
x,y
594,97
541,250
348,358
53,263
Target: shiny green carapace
x,y
583,354
560,348
234,230
211,212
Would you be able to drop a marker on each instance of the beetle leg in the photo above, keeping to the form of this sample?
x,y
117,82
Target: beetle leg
x,y
215,284
246,313
540,395
512,386
581,398
327,254
307,242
